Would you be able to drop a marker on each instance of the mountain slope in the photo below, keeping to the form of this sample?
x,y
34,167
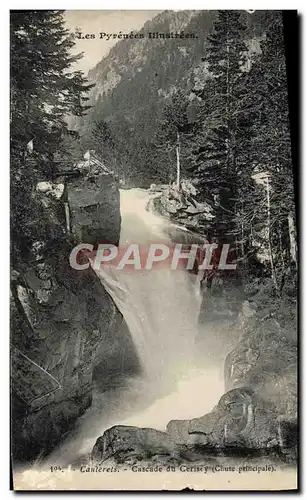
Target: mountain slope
x,y
138,76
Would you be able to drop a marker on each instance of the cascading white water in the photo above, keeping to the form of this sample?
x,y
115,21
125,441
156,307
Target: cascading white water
x,y
161,308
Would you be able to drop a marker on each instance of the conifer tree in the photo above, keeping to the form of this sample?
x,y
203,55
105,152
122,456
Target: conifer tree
x,y
44,90
216,144
174,134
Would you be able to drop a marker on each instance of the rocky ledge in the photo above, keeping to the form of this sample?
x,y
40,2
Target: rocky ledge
x,y
181,205
239,425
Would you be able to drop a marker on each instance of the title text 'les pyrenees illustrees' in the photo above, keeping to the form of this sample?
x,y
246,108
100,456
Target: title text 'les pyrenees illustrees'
x,y
133,35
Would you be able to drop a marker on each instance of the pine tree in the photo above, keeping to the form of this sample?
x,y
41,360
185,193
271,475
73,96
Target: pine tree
x,y
174,134
102,140
215,150
44,90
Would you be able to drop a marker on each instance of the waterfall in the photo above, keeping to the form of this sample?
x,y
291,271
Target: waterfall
x,y
161,305
161,308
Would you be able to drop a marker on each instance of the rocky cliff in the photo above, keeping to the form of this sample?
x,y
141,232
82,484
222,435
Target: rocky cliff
x,y
63,323
265,356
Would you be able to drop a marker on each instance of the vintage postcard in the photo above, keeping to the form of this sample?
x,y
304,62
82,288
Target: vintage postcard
x,y
153,251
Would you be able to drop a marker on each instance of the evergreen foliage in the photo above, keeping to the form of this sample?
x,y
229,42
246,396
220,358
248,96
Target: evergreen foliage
x,y
44,89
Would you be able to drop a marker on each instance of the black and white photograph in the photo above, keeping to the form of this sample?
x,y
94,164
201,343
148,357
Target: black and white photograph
x,y
153,250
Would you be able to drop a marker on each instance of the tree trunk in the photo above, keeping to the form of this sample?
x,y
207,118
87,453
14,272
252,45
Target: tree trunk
x,y
292,236
67,218
178,160
242,231
273,273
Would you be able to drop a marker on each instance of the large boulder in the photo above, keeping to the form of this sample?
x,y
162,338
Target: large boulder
x,y
126,444
240,424
182,206
91,199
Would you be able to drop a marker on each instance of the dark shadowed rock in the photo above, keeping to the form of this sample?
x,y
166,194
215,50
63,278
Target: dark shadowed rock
x,y
91,204
93,199
125,443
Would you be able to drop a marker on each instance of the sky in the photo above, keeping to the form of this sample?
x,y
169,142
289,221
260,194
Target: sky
x,y
108,21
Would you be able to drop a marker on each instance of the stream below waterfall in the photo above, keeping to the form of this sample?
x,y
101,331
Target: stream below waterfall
x,y
161,308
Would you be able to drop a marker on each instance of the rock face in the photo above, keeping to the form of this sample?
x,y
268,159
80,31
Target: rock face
x,y
64,324
181,206
126,444
91,199
263,362
265,359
